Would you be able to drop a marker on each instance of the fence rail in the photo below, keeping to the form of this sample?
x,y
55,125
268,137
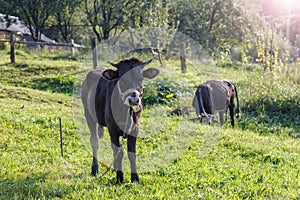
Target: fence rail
x,y
47,43
13,41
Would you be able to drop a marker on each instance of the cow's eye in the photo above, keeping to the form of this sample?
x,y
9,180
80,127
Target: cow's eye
x,y
140,82
140,89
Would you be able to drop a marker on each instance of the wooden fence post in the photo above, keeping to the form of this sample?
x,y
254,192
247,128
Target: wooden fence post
x,y
72,47
95,53
12,49
182,57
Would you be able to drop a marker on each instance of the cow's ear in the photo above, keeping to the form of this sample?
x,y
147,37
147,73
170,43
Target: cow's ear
x,y
110,74
150,73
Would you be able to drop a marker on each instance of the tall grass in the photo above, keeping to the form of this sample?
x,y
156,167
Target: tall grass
x,y
271,102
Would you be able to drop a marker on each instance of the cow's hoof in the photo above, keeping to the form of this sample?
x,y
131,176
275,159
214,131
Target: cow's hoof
x,y
94,171
120,177
135,178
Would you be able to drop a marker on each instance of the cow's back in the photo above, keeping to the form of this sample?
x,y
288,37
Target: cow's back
x,y
220,94
88,92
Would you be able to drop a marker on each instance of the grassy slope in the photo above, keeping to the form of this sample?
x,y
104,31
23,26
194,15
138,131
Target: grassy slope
x,y
259,159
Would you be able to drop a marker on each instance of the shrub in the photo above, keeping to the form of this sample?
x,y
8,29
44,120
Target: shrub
x,y
272,94
165,91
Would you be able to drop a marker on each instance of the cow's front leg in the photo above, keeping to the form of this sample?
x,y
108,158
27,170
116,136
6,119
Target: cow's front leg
x,y
118,152
131,145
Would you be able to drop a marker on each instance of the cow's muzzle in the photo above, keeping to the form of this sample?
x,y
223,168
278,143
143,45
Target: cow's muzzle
x,y
206,118
133,100
131,97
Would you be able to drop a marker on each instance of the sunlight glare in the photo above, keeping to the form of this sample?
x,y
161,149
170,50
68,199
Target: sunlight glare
x,y
283,6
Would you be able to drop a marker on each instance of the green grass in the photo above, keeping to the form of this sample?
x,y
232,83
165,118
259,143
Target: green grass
x,y
177,158
35,71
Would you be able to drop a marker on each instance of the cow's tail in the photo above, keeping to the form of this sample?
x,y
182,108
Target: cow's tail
x,y
238,110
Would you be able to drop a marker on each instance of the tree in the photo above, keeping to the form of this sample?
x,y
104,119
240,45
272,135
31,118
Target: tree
x,y
67,22
109,17
216,24
34,13
65,16
5,7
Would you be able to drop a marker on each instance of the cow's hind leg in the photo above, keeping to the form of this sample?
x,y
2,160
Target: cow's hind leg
x,y
118,152
131,145
221,116
231,112
94,142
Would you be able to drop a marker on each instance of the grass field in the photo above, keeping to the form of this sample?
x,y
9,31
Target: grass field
x,y
177,158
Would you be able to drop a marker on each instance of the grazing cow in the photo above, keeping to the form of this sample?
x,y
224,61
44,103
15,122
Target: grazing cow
x,y
216,96
112,98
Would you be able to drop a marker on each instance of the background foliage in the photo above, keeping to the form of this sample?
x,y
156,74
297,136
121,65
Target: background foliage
x,y
245,29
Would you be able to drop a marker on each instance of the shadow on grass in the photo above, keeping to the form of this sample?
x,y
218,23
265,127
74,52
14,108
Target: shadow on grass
x,y
60,84
271,123
4,64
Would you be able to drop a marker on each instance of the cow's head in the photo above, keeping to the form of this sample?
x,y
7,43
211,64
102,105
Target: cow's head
x,y
206,118
130,76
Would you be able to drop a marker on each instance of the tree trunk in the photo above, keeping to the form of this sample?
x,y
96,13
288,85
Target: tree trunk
x,y
95,53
